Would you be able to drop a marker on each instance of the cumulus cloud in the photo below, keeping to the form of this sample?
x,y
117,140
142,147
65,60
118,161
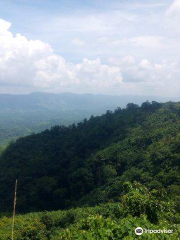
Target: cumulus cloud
x,y
161,78
148,77
32,65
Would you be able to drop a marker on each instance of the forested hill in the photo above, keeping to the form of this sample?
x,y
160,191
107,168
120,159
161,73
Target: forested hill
x,y
87,163
22,115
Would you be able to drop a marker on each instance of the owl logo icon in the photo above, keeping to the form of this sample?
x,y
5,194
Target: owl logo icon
x,y
138,231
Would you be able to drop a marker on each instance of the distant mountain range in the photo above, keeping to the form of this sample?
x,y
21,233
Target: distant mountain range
x,y
88,163
68,101
22,115
105,176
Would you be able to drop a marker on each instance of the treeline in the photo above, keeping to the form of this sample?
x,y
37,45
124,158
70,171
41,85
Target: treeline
x,y
87,163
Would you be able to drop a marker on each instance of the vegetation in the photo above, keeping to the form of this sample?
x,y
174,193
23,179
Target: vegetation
x,y
113,221
22,115
108,175
87,163
18,123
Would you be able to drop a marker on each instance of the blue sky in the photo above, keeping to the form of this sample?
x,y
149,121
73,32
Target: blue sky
x,y
41,19
110,46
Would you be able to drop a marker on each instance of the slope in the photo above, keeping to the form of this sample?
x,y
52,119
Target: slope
x,y
22,115
88,163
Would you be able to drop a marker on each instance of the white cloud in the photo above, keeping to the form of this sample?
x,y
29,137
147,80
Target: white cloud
x,y
114,28
148,42
35,66
32,65
4,26
174,8
164,73
78,42
173,21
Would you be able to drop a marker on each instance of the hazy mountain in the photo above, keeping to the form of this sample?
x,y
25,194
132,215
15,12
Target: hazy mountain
x,y
23,114
88,163
69,101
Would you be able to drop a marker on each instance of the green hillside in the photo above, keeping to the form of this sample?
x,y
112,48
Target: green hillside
x,y
114,173
87,163
152,210
22,115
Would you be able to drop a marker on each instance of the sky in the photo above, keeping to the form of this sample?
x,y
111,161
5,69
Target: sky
x,y
116,47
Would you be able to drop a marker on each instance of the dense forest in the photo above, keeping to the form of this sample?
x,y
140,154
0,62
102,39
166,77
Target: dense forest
x,y
88,162
22,115
118,170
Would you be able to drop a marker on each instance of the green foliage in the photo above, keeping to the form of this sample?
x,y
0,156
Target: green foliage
x,y
88,163
31,230
22,115
111,221
139,201
124,164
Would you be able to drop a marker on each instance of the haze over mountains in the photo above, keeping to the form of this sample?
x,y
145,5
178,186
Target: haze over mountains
x,y
70,101
24,114
72,166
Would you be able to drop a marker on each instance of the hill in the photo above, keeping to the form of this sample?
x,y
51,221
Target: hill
x,y
138,206
22,115
87,163
70,101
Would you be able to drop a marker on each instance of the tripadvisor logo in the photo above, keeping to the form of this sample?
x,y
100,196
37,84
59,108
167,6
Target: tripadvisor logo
x,y
138,231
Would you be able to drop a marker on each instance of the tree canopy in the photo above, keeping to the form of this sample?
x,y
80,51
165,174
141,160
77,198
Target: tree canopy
x,y
87,163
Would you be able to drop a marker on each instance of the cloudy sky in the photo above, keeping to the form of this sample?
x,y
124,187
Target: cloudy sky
x,y
90,46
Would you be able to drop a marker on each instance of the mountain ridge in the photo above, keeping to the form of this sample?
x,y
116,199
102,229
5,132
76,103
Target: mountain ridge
x,y
23,115
87,163
35,100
